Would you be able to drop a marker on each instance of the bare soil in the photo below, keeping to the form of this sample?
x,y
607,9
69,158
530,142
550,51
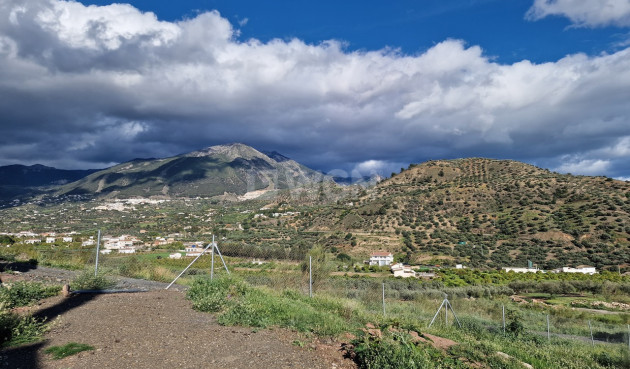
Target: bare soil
x,y
159,329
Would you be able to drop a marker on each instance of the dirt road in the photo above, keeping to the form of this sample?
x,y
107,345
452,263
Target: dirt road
x,y
159,329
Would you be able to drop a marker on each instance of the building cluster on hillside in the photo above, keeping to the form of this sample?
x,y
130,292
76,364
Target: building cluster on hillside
x,y
31,238
584,269
382,258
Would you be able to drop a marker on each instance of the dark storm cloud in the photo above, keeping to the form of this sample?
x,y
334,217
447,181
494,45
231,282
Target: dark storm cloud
x,y
92,86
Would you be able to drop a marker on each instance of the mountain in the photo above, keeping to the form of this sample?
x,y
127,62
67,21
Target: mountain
x,y
39,175
485,212
234,169
19,182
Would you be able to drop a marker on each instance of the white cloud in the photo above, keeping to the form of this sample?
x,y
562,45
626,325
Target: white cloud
x,y
584,13
87,71
588,167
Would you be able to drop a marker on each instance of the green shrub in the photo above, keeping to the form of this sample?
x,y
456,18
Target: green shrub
x,y
88,281
25,293
397,351
214,296
16,330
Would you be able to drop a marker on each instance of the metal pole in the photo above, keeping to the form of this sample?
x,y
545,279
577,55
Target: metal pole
x,y
437,312
189,265
446,313
310,276
221,256
98,245
383,298
548,335
628,336
212,263
503,314
448,305
591,329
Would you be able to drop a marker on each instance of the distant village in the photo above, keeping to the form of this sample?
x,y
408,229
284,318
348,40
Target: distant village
x,y
126,244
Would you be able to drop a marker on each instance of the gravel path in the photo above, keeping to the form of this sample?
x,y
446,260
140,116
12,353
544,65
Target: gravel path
x,y
159,329
62,276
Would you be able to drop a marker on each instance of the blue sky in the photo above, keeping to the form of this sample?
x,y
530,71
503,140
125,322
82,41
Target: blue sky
x,y
352,86
498,26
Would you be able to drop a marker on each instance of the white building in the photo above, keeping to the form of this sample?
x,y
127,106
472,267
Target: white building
x,y
194,249
584,269
175,255
50,239
66,239
522,270
32,241
127,250
401,270
381,258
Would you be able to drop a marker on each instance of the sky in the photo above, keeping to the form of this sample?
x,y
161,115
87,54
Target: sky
x,y
355,87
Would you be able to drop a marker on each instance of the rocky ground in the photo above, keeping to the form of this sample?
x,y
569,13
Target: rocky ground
x,y
158,329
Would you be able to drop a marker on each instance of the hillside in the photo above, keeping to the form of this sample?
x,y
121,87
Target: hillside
x,y
19,182
487,212
231,170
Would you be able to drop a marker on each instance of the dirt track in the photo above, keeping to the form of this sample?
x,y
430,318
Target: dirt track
x,y
159,329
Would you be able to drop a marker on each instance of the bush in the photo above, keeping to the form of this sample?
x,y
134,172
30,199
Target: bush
x,y
397,351
16,330
25,293
214,296
88,281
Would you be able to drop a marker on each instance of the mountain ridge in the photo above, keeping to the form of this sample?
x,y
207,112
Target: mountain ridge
x,y
213,171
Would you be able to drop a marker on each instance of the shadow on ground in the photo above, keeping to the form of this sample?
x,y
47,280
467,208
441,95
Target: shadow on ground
x,y
29,356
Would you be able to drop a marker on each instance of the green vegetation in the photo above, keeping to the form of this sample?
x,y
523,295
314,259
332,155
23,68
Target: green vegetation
x,y
17,330
69,349
332,312
14,328
397,351
88,281
25,293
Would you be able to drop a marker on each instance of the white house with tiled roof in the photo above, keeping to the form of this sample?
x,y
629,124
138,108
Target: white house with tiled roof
x,y
381,258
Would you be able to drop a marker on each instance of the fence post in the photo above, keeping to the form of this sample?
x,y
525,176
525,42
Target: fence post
x,y
98,245
548,335
628,336
503,317
212,261
310,276
591,329
383,299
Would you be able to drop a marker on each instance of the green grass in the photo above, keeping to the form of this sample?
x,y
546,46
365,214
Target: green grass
x,y
69,349
237,303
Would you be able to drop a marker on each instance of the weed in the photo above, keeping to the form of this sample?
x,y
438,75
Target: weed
x,y
25,293
88,281
70,348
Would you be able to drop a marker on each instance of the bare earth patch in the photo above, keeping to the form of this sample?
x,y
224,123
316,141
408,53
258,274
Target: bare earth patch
x,y
159,329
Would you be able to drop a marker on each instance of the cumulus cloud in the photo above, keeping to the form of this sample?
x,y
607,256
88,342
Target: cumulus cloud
x,y
90,85
584,167
584,13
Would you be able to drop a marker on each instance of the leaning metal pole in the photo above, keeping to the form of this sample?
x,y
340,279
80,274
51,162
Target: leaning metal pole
x,y
189,265
98,244
437,312
221,256
448,303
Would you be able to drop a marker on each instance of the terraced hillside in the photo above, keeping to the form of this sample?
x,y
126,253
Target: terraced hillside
x,y
487,212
